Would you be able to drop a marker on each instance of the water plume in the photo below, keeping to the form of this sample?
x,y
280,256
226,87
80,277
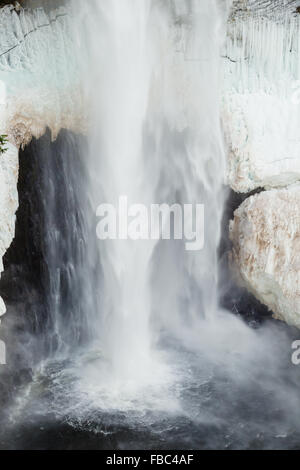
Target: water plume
x,y
152,75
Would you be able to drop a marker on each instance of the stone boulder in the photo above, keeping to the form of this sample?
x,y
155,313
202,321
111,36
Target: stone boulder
x,y
265,234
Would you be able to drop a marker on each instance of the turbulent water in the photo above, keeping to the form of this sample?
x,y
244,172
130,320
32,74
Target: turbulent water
x,y
141,355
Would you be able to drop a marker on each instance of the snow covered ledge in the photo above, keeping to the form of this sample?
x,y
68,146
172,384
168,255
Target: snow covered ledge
x,y
39,88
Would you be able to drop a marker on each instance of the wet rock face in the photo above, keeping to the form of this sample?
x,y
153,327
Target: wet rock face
x,y
265,234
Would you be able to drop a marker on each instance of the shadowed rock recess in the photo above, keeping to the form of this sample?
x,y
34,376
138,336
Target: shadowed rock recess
x,y
25,286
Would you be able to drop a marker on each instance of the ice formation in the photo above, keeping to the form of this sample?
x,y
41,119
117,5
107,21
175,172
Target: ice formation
x,y
261,104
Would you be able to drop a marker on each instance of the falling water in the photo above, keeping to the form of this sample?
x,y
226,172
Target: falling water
x,y
152,77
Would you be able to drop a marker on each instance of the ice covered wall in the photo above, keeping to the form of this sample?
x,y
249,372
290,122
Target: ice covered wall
x,y
261,105
261,116
39,68
39,88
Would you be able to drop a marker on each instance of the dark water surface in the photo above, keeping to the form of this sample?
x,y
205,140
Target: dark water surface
x,y
203,408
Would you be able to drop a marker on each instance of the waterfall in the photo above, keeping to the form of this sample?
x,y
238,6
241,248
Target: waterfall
x,y
151,74
139,353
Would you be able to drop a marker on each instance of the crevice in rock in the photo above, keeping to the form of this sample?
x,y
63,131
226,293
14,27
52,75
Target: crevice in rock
x,y
232,202
233,297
